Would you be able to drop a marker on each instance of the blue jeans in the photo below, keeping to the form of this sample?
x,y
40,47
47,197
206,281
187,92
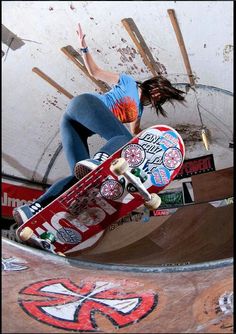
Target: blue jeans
x,y
85,116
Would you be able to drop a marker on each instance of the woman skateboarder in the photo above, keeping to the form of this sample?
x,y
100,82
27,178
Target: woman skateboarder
x,y
104,115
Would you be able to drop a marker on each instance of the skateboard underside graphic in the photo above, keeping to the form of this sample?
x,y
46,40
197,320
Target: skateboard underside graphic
x,y
131,177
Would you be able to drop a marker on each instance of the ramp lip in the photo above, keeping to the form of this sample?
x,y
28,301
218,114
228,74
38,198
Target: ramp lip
x,y
122,267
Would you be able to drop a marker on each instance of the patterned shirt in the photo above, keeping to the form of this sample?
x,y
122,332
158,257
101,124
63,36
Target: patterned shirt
x,y
123,99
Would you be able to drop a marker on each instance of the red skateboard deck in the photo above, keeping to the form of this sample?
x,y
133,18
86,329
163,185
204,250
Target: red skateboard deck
x,y
155,157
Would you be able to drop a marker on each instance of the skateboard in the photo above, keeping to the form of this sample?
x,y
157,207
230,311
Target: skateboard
x,y
129,178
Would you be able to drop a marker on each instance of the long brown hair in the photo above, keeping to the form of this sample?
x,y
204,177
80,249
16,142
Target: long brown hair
x,y
158,90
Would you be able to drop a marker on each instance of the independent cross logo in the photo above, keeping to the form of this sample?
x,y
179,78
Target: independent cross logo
x,y
68,306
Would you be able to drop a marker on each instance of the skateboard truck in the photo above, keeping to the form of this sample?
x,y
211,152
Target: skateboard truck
x,y
44,241
120,167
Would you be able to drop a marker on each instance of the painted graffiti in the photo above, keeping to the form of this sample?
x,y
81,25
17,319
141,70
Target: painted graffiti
x,y
13,264
226,303
75,307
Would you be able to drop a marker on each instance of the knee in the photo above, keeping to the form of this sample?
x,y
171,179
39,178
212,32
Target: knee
x,y
64,123
79,99
126,138
78,103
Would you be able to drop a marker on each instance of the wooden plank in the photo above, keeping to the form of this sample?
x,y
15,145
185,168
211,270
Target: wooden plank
x,y
52,82
142,47
181,43
213,185
77,59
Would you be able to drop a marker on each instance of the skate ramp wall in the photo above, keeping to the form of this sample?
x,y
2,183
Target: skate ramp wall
x,y
194,234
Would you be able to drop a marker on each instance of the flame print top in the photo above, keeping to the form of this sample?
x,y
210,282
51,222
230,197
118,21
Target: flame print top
x,y
123,99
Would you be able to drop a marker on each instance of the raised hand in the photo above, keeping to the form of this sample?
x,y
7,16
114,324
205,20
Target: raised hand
x,y
81,37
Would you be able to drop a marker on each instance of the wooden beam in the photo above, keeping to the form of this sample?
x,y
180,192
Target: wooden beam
x,y
142,47
77,59
52,82
181,43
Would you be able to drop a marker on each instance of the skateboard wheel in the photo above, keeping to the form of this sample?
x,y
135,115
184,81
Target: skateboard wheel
x,y
26,234
153,203
61,254
119,166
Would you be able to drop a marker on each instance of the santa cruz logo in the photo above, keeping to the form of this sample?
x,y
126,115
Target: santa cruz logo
x,y
68,306
160,177
169,139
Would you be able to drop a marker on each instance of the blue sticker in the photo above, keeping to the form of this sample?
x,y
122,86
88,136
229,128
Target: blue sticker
x,y
169,139
160,177
69,235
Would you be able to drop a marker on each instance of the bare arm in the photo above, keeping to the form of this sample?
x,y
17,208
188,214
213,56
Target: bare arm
x,y
93,69
135,127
